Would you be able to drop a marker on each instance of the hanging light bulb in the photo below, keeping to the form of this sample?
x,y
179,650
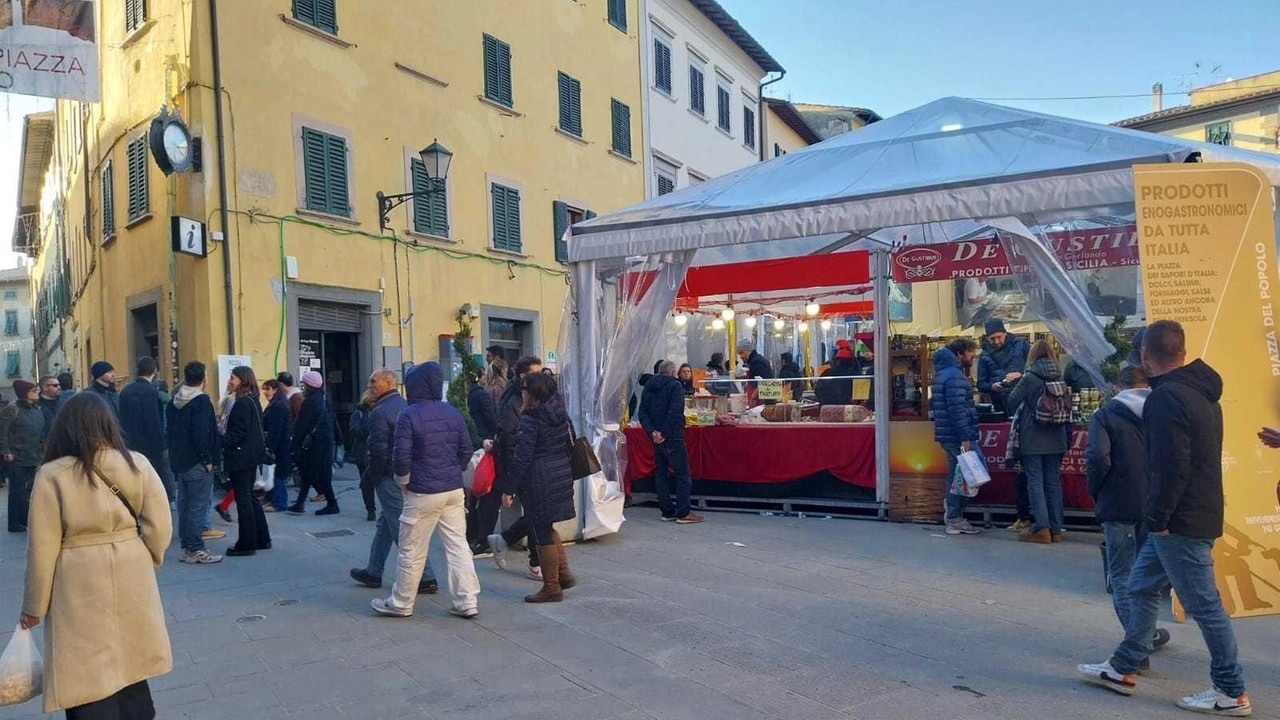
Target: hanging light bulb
x,y
779,324
727,314
826,324
717,324
812,309
803,327
751,322
681,320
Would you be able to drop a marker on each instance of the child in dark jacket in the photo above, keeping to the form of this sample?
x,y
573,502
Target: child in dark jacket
x,y
1116,467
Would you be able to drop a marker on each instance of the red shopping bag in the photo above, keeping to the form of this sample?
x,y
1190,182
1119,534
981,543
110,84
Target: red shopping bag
x,y
485,473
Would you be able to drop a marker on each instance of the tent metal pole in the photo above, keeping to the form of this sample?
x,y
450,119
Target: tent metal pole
x,y
586,350
880,280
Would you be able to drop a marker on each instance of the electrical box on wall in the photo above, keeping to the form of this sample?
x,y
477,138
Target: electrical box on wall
x,y
291,267
393,358
450,360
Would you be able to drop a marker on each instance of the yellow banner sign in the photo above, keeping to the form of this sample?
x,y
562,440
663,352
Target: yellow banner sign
x,y
1208,247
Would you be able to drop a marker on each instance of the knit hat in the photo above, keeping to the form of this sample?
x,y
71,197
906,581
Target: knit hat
x,y
21,388
100,368
844,354
843,344
312,379
994,325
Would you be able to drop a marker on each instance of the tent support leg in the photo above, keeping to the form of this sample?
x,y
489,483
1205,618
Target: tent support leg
x,y
880,279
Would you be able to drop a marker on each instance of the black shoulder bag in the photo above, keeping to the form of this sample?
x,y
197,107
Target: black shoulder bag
x,y
115,490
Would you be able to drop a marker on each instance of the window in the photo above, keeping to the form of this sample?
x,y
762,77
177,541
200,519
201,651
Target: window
x,y
108,202
497,71
618,14
695,179
139,193
722,105
319,14
324,169
697,90
621,128
135,14
506,218
430,213
570,105
662,65
13,363
777,150
1218,133
10,322
749,126
565,216
665,176
10,294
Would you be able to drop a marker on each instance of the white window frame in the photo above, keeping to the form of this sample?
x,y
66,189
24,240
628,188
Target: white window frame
x,y
663,168
754,105
661,36
699,63
724,82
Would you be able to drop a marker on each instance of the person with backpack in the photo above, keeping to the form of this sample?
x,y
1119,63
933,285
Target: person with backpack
x,y
1043,424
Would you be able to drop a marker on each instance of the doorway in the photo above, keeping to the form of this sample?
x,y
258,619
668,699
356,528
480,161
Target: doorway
x,y
329,342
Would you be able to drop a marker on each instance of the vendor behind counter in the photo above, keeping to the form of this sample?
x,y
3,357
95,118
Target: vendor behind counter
x,y
1003,359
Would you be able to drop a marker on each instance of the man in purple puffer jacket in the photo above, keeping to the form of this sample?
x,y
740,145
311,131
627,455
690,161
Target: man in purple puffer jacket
x,y
432,446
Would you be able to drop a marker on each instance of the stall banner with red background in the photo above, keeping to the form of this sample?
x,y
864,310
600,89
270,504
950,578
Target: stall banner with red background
x,y
986,257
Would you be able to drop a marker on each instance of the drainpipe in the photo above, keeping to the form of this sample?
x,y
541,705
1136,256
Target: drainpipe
x,y
222,177
642,31
760,112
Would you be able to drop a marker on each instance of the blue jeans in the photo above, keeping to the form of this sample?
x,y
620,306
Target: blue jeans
x,y
955,504
391,498
279,495
20,480
1044,486
1186,564
194,486
671,458
1123,542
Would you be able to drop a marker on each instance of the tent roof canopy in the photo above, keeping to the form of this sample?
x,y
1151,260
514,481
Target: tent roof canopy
x,y
952,159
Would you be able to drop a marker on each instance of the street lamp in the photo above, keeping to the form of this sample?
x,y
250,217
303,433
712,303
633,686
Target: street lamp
x,y
435,159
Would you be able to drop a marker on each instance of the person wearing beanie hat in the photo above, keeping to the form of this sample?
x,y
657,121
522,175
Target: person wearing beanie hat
x,y
23,428
104,383
836,384
999,368
313,446
312,379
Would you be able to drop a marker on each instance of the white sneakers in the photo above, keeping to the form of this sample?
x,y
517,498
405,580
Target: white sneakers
x,y
961,527
383,606
200,557
467,614
499,547
1210,702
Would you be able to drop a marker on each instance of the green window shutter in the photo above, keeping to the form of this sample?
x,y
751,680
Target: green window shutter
x,y
722,103
748,126
560,218
430,213
336,167
697,90
621,129
108,202
497,71
13,363
139,192
327,15
665,185
618,14
305,11
777,150
570,105
135,14
10,322
662,66
506,218
324,169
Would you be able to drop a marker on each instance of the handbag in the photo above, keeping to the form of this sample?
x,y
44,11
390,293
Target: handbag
x,y
582,457
115,490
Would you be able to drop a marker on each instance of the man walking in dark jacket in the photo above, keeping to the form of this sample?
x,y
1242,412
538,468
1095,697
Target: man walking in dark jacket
x,y
1183,511
662,417
22,433
104,383
388,403
193,451
955,420
140,419
432,446
48,401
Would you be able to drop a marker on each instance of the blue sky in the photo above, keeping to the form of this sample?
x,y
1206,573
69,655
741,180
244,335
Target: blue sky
x,y
892,56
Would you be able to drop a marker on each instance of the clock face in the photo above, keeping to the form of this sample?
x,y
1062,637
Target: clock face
x,y
177,144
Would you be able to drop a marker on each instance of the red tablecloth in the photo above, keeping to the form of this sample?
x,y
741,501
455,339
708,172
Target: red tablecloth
x,y
1000,491
769,453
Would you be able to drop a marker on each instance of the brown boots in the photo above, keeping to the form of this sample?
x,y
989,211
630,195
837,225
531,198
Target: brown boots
x,y
1041,536
556,577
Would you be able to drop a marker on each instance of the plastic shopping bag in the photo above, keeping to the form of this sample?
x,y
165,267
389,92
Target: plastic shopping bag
x,y
959,486
604,507
469,474
266,481
486,471
974,469
21,670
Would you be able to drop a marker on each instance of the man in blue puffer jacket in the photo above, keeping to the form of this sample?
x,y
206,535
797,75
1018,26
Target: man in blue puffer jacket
x,y
432,446
955,419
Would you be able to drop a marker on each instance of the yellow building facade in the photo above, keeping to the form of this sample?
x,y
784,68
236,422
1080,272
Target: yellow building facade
x,y
1241,113
325,103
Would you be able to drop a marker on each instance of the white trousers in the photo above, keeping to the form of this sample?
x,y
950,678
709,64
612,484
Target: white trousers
x,y
422,513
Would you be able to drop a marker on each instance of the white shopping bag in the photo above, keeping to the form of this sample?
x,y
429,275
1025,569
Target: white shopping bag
x,y
21,670
469,474
974,469
266,480
604,507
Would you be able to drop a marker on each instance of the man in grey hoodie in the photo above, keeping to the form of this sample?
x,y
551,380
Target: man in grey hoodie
x,y
193,451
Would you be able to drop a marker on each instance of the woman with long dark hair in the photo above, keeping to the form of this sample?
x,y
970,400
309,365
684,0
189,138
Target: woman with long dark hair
x,y
99,527
1041,447
544,478
243,449
275,423
313,446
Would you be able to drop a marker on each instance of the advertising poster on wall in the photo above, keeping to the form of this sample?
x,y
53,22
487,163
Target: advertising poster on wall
x,y
1207,233
49,48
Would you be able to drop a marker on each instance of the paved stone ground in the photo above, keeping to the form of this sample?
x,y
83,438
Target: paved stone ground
x,y
806,618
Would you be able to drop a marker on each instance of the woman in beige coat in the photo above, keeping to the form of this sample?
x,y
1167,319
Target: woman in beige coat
x,y
91,568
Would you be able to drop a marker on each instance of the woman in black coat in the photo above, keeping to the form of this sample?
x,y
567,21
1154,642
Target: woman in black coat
x,y
275,423
243,449
313,446
541,472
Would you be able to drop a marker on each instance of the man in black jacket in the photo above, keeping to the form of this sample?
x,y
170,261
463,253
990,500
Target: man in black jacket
x,y
140,419
104,383
1183,511
662,417
193,451
757,366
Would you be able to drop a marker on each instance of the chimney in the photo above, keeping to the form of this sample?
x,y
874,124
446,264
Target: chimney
x,y
1157,97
